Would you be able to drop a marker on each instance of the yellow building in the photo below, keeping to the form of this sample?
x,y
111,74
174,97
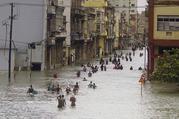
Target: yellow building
x,y
166,22
101,20
95,3
89,29
117,32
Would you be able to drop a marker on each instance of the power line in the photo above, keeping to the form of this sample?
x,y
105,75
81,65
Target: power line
x,y
31,4
5,4
20,42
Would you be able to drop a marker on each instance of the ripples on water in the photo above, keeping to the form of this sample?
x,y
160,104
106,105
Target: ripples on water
x,y
117,96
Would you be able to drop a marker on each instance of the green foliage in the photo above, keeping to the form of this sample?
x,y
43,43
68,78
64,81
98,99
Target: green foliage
x,y
167,69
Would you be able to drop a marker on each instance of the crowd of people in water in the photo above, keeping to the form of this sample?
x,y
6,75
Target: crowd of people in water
x,y
90,69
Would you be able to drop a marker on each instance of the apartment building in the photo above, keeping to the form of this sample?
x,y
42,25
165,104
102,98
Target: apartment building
x,y
56,34
126,11
163,28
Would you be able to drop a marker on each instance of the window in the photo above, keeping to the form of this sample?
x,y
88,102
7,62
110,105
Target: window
x,y
167,23
132,5
168,33
132,11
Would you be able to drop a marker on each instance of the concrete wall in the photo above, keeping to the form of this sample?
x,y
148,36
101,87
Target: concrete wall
x,y
4,57
21,59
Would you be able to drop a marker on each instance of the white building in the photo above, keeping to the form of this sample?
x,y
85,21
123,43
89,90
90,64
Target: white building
x,y
126,7
59,38
126,12
29,26
67,13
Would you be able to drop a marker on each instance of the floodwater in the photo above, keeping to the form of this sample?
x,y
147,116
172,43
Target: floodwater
x,y
117,96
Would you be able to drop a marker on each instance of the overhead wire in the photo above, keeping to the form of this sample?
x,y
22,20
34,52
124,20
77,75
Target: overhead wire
x,y
20,42
3,5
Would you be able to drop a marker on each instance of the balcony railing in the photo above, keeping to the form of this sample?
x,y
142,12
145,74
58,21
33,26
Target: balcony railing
x,y
51,41
58,2
51,10
61,34
77,36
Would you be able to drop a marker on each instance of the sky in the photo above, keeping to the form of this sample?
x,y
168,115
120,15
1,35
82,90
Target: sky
x,y
141,3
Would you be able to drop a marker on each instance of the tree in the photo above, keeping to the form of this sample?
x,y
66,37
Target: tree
x,y
167,68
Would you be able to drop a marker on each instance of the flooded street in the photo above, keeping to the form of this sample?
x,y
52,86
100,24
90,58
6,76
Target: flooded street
x,y
117,96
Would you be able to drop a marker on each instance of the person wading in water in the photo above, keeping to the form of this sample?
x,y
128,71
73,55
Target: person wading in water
x,y
73,101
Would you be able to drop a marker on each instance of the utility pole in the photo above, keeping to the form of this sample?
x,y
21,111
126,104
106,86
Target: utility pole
x,y
30,62
10,41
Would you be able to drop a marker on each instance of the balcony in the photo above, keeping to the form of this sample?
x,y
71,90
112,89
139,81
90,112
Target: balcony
x,y
111,36
100,20
77,36
91,11
51,41
57,24
58,2
78,12
104,33
51,10
61,34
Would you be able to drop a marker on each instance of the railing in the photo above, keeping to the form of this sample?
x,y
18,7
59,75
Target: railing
x,y
58,2
77,36
51,10
60,34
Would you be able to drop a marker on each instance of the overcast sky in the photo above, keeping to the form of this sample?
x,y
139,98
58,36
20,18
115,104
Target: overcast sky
x,y
141,3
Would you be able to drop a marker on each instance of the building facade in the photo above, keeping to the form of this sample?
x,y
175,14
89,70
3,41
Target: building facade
x,y
56,34
83,32
126,11
163,28
104,33
110,27
142,27
77,32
